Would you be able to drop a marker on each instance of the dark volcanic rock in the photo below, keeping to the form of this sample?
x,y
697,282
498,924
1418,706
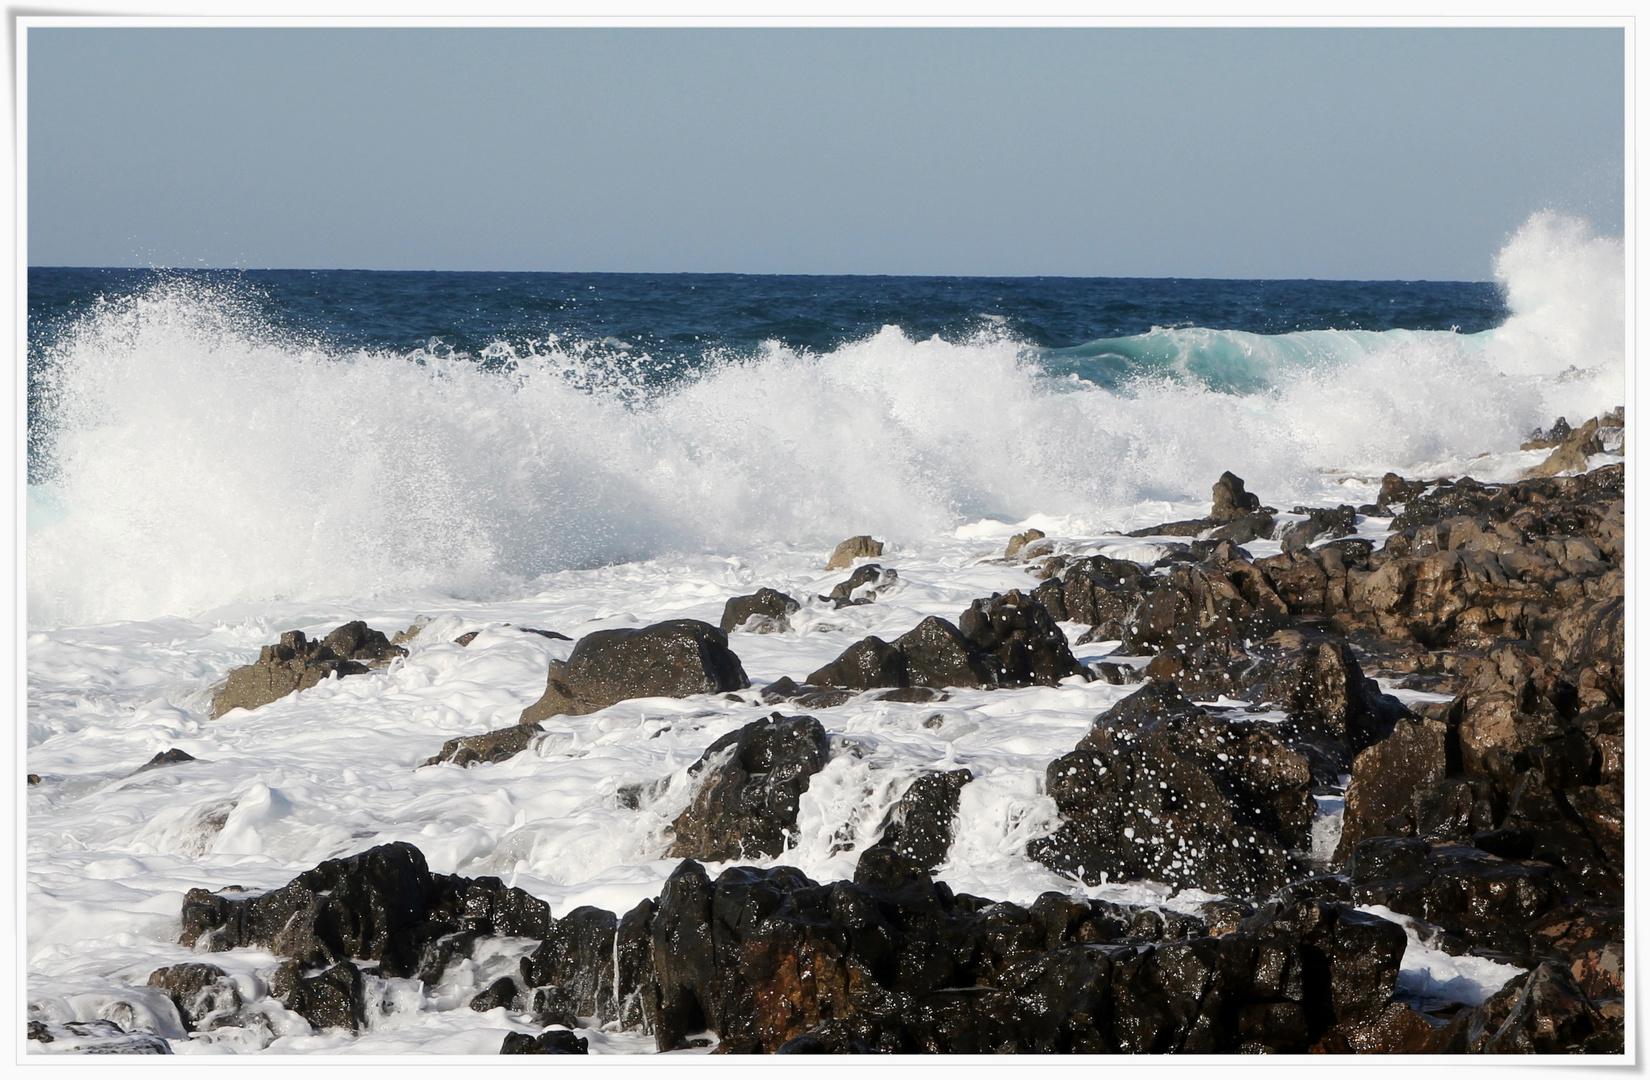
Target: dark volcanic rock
x,y
333,998
489,747
1016,633
1231,500
919,825
553,1041
382,905
1319,525
204,995
862,586
1163,790
937,655
866,664
749,782
296,663
163,759
669,659
765,611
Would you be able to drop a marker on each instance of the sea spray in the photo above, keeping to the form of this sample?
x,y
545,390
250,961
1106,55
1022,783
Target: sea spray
x,y
199,457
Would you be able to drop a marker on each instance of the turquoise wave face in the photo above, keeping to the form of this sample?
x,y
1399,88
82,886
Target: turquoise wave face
x,y
1229,361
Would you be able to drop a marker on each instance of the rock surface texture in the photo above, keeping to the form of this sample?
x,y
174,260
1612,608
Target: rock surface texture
x,y
669,659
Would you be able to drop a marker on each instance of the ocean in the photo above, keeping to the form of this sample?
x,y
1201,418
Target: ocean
x,y
216,457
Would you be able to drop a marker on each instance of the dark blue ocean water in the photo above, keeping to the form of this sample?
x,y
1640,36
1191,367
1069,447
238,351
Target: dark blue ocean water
x,y
679,317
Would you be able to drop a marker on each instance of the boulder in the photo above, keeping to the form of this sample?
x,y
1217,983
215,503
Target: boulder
x,y
295,663
938,655
765,611
1231,500
669,659
1319,525
868,663
1017,635
855,547
1163,790
748,786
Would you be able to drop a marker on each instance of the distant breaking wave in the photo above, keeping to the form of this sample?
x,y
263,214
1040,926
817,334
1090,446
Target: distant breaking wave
x,y
200,459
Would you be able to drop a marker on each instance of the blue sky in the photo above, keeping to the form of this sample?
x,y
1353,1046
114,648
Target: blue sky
x,y
1330,153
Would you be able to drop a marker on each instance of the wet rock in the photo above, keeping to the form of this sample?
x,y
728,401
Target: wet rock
x,y
33,779
490,747
1386,780
381,905
938,655
463,640
173,756
806,695
295,663
204,994
863,586
1094,590
552,1041
96,1037
1246,529
1319,525
749,783
333,998
1231,500
1571,452
501,995
1025,546
765,611
919,825
855,547
669,659
1162,790
1541,1012
866,664
1019,637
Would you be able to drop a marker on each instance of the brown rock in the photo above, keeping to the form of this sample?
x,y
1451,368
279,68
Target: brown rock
x,y
855,547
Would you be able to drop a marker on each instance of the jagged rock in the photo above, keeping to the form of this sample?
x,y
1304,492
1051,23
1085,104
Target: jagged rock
x,y
503,994
296,663
1163,790
331,998
745,805
855,547
866,664
1540,1012
1572,451
1024,545
1386,778
919,825
863,586
1094,590
678,658
937,654
574,968
204,994
1546,440
1231,500
765,611
1246,529
381,905
1019,637
553,1041
173,756
490,747
1319,524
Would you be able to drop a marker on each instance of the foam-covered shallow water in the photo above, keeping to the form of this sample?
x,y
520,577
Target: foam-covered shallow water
x,y
207,480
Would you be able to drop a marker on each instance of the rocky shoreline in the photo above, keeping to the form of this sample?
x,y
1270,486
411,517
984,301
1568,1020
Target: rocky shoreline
x,y
1488,825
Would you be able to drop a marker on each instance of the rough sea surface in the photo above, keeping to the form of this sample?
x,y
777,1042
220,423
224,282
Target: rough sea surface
x,y
216,458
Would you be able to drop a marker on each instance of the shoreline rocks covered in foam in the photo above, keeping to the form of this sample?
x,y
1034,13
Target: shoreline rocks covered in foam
x,y
1486,824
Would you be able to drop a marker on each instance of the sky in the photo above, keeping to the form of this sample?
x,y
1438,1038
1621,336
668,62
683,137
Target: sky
x,y
1250,153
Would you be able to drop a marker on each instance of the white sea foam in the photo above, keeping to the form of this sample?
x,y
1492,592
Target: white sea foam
x,y
203,460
